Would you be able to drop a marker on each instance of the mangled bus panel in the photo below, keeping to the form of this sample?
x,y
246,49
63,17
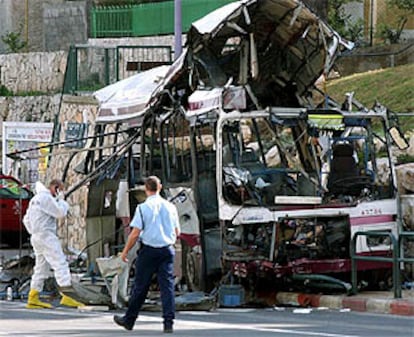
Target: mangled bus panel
x,y
297,184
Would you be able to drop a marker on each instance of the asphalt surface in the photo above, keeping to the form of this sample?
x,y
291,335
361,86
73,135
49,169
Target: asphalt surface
x,y
383,302
18,321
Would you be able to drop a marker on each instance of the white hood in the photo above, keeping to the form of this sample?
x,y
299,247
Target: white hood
x,y
39,187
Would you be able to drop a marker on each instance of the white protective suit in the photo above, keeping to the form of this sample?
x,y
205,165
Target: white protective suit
x,y
40,222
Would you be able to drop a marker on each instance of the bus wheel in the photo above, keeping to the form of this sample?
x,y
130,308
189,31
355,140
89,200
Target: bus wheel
x,y
191,267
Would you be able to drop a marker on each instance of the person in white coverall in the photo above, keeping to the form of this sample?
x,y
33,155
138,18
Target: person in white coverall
x,y
40,221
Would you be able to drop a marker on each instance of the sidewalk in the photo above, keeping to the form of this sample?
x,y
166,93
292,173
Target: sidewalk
x,y
376,301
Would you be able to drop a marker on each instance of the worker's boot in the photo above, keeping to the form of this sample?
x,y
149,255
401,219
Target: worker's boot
x,y
33,301
70,302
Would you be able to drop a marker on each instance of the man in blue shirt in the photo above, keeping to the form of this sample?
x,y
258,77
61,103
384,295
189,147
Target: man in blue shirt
x,y
156,224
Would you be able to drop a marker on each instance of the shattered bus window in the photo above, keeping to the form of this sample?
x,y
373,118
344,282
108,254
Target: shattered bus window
x,y
176,144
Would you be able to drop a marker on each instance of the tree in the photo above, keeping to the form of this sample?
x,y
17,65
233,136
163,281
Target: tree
x,y
392,33
405,5
341,21
13,41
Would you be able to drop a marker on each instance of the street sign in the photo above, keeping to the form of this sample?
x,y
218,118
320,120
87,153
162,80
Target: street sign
x,y
18,136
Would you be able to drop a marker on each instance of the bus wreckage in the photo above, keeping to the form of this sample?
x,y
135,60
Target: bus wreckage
x,y
270,187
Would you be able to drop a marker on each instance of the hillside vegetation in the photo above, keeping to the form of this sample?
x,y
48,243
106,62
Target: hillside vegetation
x,y
393,87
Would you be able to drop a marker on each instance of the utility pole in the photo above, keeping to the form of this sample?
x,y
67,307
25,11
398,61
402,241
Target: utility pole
x,y
177,29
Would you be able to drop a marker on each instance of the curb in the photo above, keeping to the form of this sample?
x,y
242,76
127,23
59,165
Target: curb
x,y
354,303
402,307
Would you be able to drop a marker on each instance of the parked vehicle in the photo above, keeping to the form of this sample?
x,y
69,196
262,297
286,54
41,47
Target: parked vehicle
x,y
14,200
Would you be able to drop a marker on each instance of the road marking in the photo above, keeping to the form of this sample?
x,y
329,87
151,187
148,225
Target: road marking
x,y
236,326
304,333
148,321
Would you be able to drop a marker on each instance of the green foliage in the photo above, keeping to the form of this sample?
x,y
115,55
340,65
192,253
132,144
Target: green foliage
x,y
405,159
406,5
31,93
355,30
389,34
91,83
4,91
342,22
392,87
13,41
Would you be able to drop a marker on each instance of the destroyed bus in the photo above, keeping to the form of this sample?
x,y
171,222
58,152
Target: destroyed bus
x,y
275,194
269,185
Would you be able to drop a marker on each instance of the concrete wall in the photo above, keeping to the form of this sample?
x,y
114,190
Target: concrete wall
x,y
11,20
356,11
6,21
64,24
47,25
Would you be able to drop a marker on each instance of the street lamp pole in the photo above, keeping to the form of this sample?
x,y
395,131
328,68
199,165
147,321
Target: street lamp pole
x,y
177,29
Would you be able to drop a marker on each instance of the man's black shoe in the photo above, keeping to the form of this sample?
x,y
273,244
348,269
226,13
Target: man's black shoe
x,y
120,321
168,328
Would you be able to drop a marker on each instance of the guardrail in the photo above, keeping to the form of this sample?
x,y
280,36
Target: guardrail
x,y
354,61
395,259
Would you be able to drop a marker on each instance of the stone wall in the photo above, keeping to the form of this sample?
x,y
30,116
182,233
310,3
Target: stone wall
x,y
29,108
72,231
33,72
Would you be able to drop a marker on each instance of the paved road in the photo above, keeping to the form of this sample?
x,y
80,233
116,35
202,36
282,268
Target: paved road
x,y
17,321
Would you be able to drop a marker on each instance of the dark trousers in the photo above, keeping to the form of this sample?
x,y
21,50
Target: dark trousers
x,y
149,261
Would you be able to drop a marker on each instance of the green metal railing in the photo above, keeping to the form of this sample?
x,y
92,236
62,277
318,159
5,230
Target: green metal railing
x,y
112,21
91,68
395,259
148,19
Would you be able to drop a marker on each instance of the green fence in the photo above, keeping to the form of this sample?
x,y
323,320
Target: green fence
x,y
148,19
91,68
